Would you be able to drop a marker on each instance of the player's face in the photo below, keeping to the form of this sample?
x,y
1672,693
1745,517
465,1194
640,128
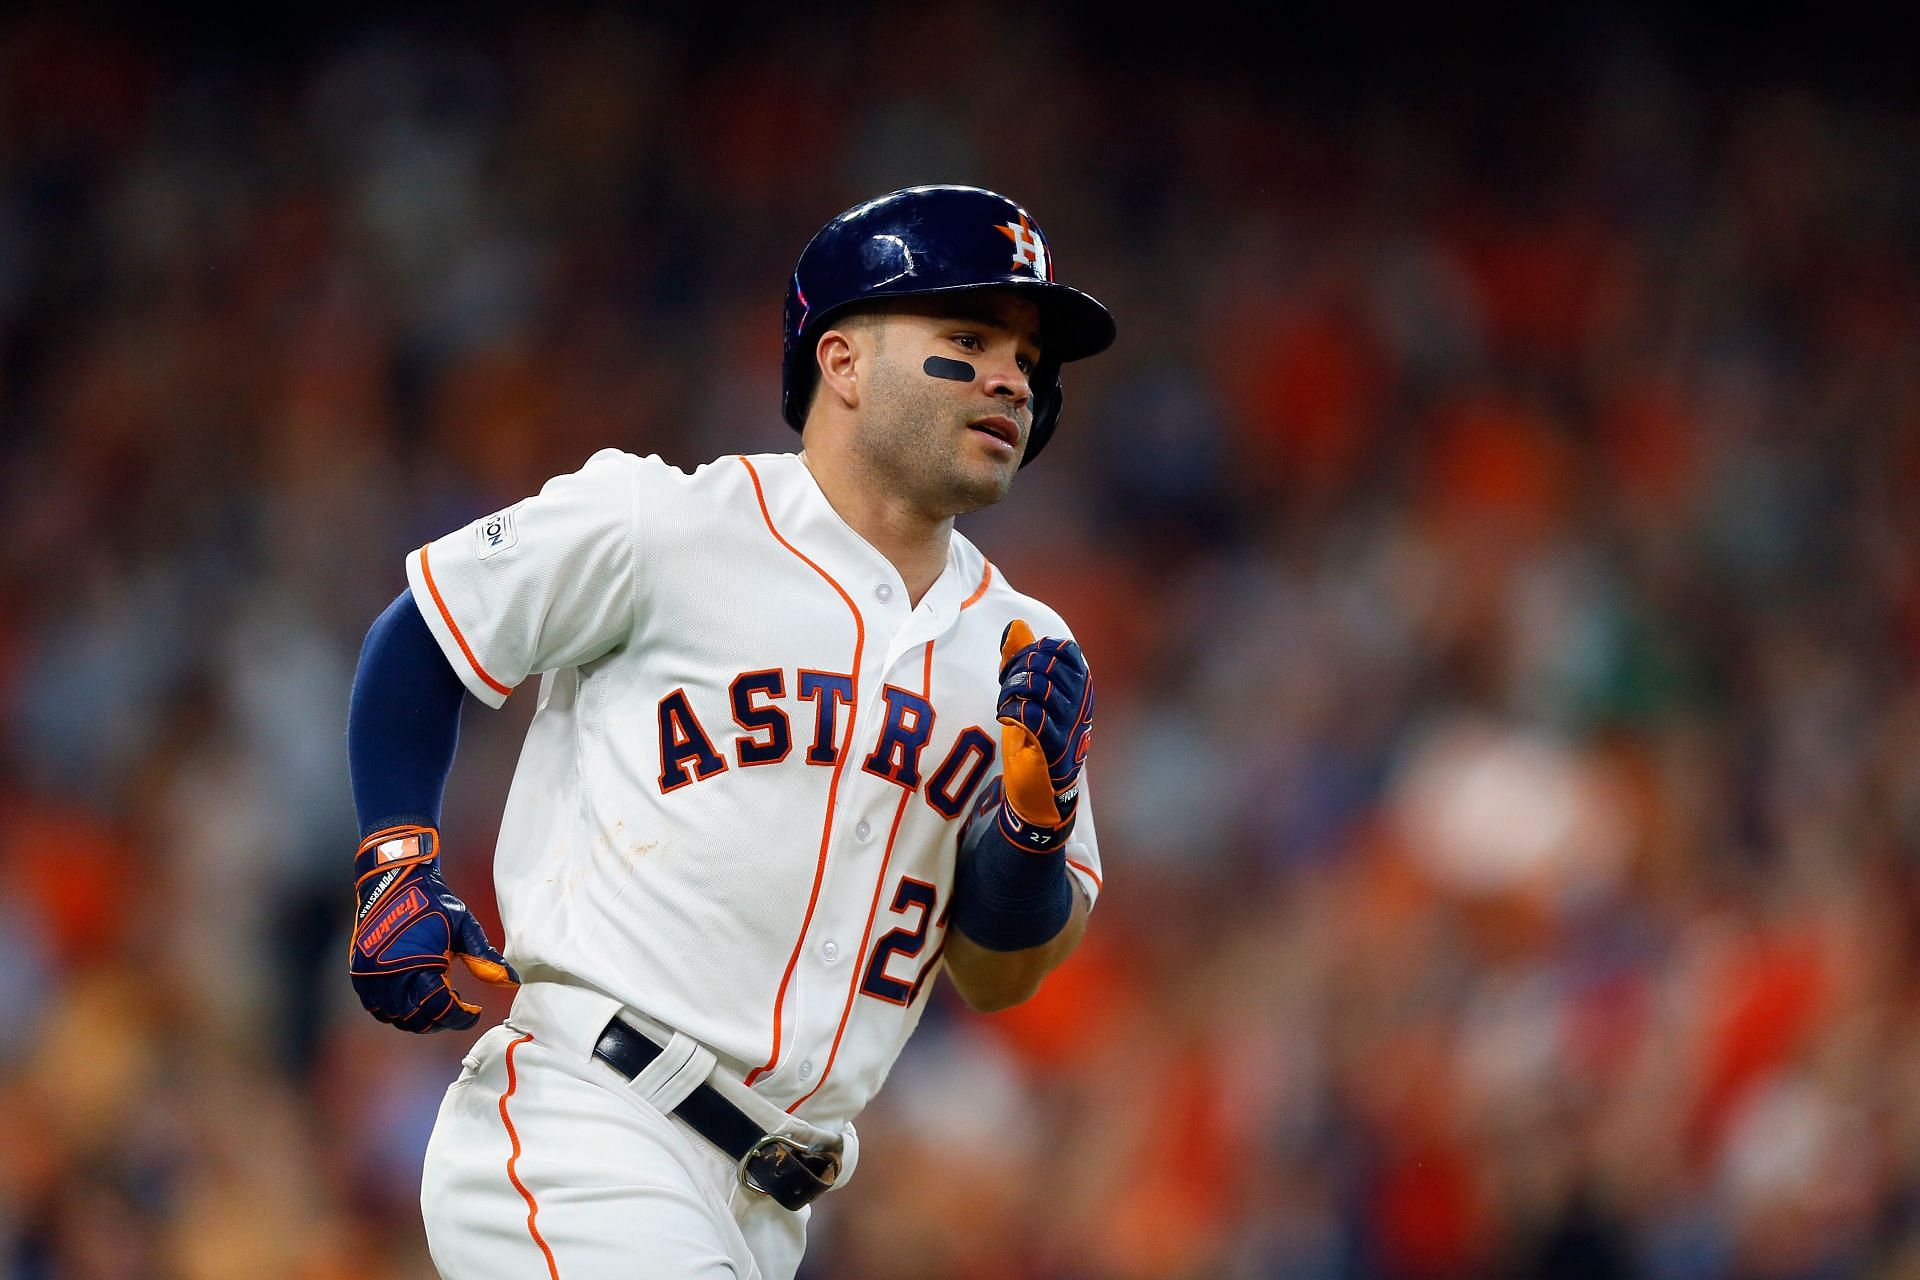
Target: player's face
x,y
946,415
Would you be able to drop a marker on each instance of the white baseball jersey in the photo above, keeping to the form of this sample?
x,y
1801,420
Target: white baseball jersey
x,y
741,795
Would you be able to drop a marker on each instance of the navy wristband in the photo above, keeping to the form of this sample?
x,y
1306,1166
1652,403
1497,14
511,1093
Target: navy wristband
x,y
1006,898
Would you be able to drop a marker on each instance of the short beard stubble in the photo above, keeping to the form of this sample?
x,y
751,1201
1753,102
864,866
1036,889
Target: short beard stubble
x,y
911,442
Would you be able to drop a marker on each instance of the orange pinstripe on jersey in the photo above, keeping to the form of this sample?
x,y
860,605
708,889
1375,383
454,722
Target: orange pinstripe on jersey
x,y
513,1138
879,888
426,571
833,786
1094,875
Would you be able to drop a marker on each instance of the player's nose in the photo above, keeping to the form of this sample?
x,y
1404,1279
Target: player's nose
x,y
1007,381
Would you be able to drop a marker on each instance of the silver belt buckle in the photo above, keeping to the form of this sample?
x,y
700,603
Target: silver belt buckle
x,y
787,1149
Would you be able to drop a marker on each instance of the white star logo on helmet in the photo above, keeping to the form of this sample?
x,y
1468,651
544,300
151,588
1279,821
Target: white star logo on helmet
x,y
1029,250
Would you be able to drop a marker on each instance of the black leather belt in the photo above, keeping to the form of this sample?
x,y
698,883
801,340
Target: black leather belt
x,y
770,1164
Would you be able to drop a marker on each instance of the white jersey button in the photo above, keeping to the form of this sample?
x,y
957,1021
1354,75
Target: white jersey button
x,y
830,951
806,1069
883,592
863,829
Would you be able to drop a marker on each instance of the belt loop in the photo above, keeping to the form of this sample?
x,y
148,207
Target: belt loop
x,y
682,1065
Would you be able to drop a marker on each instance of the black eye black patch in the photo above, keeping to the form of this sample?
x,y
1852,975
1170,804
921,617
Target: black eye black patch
x,y
953,370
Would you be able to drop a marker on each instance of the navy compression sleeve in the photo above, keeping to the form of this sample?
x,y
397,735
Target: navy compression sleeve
x,y
403,722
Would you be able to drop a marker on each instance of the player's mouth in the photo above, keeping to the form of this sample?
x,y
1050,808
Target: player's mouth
x,y
1001,428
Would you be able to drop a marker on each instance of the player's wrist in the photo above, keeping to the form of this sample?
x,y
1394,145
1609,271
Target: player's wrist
x,y
395,824
392,845
1010,895
1035,838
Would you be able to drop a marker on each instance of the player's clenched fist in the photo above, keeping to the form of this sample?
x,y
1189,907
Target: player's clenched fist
x,y
408,927
1011,889
1046,725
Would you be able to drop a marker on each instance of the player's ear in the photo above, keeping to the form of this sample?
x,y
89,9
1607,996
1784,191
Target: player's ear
x,y
841,358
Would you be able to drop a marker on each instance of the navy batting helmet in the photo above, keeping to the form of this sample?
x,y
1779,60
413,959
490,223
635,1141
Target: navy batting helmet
x,y
924,240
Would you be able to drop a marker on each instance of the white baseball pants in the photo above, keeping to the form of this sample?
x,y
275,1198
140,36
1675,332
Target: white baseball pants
x,y
545,1162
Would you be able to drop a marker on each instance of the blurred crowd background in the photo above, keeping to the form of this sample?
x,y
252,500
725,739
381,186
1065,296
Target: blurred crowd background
x,y
1494,535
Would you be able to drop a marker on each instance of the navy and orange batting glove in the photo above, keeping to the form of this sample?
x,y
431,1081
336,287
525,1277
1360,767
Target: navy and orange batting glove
x,y
1046,726
1011,889
408,928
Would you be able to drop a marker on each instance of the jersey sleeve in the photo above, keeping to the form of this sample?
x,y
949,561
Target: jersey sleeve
x,y
544,584
1083,847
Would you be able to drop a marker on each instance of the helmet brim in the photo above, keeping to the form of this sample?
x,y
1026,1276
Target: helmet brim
x,y
1073,323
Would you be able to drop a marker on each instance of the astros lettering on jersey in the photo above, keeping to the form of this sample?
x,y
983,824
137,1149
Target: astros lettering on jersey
x,y
739,801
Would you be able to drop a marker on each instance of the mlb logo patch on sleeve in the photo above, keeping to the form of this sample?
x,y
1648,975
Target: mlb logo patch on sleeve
x,y
496,533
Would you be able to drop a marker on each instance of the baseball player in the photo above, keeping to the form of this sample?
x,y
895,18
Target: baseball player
x,y
799,747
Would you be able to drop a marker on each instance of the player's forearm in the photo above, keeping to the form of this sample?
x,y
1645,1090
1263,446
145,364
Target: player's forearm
x,y
403,722
1017,913
991,980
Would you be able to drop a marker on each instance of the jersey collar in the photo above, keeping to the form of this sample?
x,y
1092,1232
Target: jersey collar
x,y
803,515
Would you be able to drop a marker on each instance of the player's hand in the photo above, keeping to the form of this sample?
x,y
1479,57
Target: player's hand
x,y
1046,725
408,928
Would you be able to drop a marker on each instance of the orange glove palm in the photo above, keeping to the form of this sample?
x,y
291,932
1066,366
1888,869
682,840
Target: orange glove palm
x,y
1046,726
